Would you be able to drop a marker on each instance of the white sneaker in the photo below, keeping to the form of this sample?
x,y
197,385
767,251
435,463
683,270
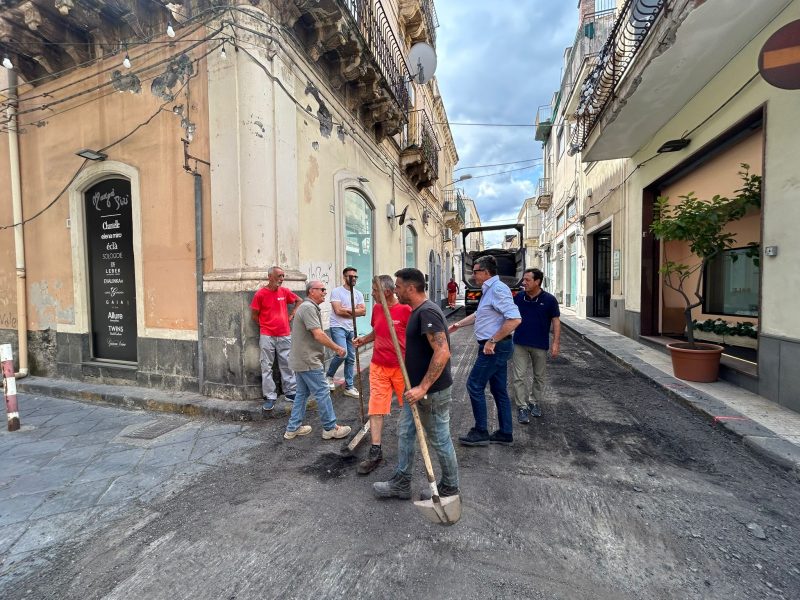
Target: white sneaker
x,y
352,392
331,384
337,433
302,430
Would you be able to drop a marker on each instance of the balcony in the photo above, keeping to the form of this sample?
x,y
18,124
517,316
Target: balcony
x,y
420,20
590,38
454,210
544,194
419,150
44,39
652,66
544,122
353,40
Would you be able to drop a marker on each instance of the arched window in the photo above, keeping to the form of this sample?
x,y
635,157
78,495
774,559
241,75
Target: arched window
x,y
358,236
411,247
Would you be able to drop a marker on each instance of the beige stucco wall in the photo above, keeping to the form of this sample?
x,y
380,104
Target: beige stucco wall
x,y
717,176
781,211
48,162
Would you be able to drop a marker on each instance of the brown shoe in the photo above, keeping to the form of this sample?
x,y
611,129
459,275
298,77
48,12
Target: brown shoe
x,y
374,458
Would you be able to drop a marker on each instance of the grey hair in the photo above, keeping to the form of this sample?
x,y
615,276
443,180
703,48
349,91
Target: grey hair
x,y
310,284
387,283
271,270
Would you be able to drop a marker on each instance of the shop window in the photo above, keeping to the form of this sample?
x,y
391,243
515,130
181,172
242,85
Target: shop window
x,y
731,284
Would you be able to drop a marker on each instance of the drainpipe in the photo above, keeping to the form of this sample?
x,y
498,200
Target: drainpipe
x,y
198,236
19,236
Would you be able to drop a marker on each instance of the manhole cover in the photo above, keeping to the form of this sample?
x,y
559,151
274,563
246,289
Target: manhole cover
x,y
150,431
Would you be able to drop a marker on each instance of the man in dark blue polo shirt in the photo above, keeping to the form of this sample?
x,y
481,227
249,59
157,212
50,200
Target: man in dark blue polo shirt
x,y
531,342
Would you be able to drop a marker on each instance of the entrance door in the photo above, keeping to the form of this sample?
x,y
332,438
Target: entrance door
x,y
112,275
358,249
601,283
572,292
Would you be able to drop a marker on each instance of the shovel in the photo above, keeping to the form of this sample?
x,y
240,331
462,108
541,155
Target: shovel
x,y
361,434
446,511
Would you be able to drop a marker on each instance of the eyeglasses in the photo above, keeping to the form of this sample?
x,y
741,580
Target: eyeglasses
x,y
352,276
477,270
320,289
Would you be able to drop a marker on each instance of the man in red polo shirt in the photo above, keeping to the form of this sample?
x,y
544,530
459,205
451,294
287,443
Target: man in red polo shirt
x,y
270,309
385,374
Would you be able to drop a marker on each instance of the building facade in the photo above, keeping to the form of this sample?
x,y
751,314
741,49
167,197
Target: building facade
x,y
664,113
225,138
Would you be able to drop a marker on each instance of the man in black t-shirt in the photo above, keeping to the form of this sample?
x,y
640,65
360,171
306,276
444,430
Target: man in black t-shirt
x,y
427,361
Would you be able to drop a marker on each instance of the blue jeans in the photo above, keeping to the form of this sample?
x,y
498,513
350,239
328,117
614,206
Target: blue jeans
x,y
434,412
312,383
343,338
491,369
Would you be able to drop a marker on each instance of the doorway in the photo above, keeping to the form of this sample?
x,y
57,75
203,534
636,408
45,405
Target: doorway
x,y
358,241
601,277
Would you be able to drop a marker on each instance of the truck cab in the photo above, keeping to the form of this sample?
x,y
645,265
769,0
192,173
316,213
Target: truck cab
x,y
510,263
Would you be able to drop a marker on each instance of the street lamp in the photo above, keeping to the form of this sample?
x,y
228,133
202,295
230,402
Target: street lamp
x,y
464,177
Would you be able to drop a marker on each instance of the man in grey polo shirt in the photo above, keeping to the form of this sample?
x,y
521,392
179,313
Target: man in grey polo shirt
x,y
306,359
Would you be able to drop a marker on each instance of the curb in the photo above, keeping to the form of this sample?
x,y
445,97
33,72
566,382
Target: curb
x,y
183,403
761,440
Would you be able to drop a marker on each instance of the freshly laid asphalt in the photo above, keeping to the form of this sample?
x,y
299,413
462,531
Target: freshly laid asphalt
x,y
622,489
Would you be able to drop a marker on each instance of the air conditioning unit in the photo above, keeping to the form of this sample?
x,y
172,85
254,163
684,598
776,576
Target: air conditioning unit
x,y
447,235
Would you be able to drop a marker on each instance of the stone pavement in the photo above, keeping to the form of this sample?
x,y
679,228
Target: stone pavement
x,y
74,467
768,428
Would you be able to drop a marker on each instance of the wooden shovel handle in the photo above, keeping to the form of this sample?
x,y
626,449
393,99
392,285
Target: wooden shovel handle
x,y
358,361
423,445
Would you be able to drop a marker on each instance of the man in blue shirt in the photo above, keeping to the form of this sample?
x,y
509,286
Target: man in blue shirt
x,y
531,341
496,317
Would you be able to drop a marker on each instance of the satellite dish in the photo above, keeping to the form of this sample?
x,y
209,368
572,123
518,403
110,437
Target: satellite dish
x,y
422,62
402,218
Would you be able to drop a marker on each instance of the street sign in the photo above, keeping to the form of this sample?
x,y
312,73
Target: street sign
x,y
779,59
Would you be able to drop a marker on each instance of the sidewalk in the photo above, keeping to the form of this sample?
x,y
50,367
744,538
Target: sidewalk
x,y
768,428
184,403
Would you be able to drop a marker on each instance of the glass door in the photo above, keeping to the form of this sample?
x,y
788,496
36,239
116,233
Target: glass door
x,y
359,237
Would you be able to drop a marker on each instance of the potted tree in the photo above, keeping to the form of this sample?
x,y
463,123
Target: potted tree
x,y
702,224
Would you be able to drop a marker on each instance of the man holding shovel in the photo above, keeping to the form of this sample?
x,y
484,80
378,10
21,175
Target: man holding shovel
x,y
427,361
385,375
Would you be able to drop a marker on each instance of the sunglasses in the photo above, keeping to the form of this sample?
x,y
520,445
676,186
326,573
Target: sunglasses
x,y
352,276
321,289
477,270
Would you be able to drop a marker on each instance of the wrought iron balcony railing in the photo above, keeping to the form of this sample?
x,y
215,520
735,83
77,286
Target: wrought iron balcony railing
x,y
419,136
544,193
454,203
544,122
634,23
590,38
373,26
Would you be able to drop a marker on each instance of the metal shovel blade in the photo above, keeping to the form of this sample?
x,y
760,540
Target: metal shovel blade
x,y
356,440
447,511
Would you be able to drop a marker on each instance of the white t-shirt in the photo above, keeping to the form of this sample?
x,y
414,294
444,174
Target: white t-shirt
x,y
342,294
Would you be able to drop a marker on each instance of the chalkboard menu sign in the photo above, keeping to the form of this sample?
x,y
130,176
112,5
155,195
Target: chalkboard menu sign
x,y
112,280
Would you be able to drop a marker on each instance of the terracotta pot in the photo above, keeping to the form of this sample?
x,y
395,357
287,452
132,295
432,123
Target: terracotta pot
x,y
700,363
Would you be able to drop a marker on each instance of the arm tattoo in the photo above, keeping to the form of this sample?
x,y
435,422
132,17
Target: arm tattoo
x,y
441,354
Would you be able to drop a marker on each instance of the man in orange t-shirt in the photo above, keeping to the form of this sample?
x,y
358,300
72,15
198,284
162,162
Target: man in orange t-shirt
x,y
385,374
271,311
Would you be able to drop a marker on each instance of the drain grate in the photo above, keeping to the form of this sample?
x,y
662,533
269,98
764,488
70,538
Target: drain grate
x,y
150,431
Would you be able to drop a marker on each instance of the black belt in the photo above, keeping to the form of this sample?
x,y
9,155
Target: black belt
x,y
508,337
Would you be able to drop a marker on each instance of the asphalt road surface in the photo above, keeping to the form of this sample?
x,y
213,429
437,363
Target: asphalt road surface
x,y
616,492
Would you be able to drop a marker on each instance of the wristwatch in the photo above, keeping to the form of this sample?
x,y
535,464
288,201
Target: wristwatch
x,y
491,340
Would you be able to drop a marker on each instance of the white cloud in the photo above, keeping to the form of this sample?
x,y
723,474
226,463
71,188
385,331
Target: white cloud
x,y
497,63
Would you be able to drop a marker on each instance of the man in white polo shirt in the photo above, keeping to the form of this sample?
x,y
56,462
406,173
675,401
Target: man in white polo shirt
x,y
342,328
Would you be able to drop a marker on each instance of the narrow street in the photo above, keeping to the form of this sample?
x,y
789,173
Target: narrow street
x,y
617,492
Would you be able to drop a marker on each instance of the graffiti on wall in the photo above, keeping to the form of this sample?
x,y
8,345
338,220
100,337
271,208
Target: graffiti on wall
x,y
325,272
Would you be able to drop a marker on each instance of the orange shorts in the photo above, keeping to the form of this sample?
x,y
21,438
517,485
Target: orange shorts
x,y
382,381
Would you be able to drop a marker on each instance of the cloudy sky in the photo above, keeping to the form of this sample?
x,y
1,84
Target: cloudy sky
x,y
497,62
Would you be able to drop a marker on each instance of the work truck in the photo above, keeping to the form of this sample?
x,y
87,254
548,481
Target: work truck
x,y
510,262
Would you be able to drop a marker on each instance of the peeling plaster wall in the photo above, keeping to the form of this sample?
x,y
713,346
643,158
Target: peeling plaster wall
x,y
47,156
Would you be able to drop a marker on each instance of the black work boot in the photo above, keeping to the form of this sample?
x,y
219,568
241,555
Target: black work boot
x,y
374,458
444,492
399,486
